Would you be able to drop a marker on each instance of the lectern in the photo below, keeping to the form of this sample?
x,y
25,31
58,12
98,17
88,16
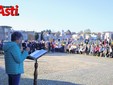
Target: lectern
x,y
35,56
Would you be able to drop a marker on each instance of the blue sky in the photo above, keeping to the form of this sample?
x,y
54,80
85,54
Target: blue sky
x,y
58,15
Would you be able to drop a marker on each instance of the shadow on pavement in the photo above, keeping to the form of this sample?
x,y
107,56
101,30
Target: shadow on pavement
x,y
27,81
56,54
3,77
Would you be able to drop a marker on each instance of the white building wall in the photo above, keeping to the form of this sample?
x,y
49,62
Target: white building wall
x,y
5,33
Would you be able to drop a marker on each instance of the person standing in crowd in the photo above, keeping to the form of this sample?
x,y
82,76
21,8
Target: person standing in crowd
x,y
53,45
14,58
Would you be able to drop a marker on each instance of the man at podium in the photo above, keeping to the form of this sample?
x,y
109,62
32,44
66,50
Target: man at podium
x,y
14,58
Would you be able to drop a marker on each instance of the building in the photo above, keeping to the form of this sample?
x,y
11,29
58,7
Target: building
x,y
108,35
28,35
31,35
5,33
25,36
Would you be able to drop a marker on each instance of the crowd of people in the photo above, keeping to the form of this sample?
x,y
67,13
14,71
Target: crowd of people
x,y
102,48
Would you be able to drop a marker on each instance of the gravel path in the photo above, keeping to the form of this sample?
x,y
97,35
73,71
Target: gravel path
x,y
66,69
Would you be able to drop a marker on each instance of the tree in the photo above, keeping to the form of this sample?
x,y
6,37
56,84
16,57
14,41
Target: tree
x,y
42,37
68,32
44,33
81,32
48,31
99,36
36,36
87,31
58,34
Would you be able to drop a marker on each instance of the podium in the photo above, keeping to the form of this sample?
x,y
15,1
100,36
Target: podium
x,y
35,56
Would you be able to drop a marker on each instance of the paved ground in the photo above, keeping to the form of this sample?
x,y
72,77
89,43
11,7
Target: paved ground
x,y
66,69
